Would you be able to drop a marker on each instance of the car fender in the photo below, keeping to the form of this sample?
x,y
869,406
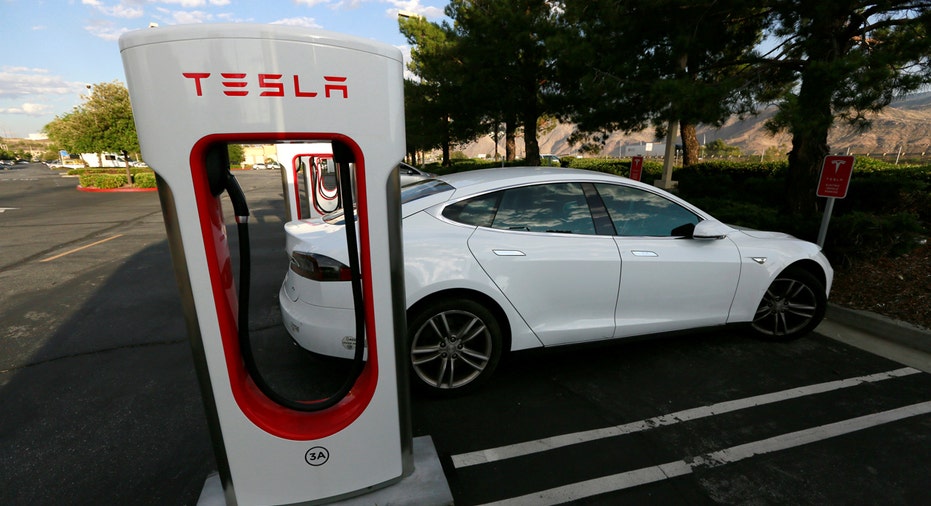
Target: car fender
x,y
761,261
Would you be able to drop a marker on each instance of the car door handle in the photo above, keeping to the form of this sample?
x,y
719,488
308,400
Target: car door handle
x,y
643,253
508,252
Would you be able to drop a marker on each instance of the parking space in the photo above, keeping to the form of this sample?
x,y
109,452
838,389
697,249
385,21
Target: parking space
x,y
100,402
698,419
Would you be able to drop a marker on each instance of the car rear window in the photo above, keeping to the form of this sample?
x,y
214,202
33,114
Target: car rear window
x,y
422,189
409,193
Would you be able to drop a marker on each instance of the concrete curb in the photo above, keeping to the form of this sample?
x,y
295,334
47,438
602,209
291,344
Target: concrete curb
x,y
882,327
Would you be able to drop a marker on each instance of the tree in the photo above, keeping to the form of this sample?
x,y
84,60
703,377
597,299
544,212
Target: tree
x,y
437,114
236,153
845,58
505,50
102,123
720,148
625,65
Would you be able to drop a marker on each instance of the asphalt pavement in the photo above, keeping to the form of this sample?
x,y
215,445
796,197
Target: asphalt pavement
x,y
99,402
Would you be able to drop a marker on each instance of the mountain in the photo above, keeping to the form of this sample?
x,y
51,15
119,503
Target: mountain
x,y
905,124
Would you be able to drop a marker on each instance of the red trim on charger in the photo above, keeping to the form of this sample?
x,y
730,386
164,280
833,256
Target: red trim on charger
x,y
265,413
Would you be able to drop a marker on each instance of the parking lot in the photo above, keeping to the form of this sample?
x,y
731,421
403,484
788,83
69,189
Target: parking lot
x,y
99,402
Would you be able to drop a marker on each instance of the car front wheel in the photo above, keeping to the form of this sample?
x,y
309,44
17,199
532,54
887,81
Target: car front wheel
x,y
793,305
455,346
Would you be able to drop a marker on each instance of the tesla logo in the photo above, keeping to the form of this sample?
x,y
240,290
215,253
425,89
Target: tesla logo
x,y
236,84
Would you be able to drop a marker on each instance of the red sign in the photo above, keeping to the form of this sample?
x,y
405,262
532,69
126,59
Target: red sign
x,y
636,167
835,176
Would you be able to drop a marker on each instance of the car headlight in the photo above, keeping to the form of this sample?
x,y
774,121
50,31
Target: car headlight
x,y
319,267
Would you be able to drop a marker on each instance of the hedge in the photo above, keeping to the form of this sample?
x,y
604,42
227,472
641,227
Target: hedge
x,y
103,181
144,180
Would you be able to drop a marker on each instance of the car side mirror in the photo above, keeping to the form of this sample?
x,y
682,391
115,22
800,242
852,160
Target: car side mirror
x,y
709,230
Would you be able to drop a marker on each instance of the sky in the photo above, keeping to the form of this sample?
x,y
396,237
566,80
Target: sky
x,y
53,49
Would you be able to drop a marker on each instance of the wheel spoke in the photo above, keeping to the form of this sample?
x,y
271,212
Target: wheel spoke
x,y
467,355
468,326
479,330
804,311
442,372
432,353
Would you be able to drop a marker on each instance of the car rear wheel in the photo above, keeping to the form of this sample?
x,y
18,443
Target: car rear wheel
x,y
792,307
455,346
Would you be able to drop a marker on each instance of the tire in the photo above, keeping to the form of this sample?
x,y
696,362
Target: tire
x,y
793,305
456,345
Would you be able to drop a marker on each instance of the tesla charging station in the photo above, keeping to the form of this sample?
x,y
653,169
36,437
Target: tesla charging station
x,y
309,166
194,90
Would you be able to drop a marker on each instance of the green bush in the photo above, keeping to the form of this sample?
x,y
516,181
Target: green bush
x,y
103,181
859,235
886,211
144,180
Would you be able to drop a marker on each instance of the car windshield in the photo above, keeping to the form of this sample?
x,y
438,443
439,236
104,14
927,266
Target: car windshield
x,y
409,193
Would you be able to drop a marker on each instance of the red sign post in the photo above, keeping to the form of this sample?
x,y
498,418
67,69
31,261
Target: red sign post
x,y
636,167
833,184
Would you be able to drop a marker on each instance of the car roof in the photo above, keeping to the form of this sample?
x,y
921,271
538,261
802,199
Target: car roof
x,y
478,181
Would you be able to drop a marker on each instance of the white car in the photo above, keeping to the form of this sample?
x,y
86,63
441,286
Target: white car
x,y
509,259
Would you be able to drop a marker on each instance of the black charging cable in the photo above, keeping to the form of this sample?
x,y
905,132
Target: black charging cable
x,y
241,210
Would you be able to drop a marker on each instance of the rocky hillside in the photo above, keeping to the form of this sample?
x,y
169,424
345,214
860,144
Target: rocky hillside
x,y
905,125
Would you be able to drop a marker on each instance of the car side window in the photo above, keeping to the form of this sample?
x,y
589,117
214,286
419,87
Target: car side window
x,y
637,212
554,208
477,211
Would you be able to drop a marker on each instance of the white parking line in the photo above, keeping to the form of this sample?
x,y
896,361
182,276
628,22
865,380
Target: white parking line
x,y
541,445
661,472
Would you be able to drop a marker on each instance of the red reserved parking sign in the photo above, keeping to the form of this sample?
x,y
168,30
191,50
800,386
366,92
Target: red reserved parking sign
x,y
636,167
835,176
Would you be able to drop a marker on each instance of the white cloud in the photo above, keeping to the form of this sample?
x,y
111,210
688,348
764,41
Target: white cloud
x,y
193,4
413,6
28,109
188,17
311,3
105,30
186,4
20,70
22,82
301,21
120,10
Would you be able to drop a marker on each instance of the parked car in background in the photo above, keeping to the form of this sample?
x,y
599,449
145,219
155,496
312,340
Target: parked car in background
x,y
508,259
550,160
410,174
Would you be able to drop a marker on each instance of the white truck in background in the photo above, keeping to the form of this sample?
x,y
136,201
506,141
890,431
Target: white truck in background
x,y
104,159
